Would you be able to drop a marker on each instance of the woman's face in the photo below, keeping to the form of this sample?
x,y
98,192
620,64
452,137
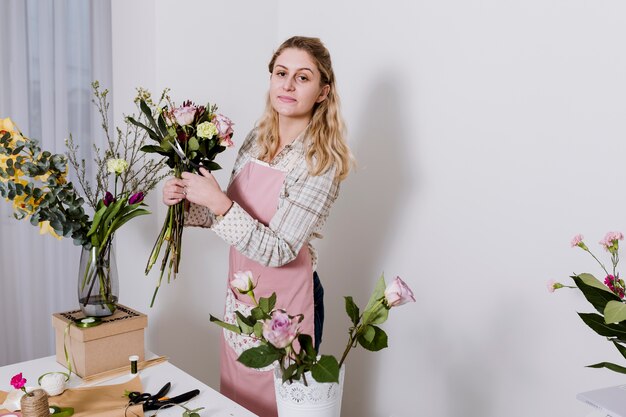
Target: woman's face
x,y
295,84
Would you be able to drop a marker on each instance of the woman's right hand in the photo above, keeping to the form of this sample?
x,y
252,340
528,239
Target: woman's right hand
x,y
173,191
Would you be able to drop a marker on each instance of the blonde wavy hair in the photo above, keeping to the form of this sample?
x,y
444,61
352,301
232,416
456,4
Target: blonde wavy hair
x,y
326,131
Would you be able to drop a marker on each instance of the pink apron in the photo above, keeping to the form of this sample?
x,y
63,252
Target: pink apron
x,y
256,189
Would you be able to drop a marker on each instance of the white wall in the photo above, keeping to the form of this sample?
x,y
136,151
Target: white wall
x,y
487,134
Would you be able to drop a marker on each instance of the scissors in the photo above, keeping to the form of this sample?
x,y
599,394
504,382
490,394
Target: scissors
x,y
183,157
136,397
158,400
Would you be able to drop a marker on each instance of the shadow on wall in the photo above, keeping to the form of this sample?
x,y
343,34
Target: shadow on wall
x,y
359,228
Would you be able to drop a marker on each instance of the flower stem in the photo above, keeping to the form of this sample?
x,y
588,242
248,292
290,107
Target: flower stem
x,y
594,257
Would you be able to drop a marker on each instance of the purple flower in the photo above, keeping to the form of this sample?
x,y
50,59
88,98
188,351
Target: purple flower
x,y
136,198
616,285
281,330
108,199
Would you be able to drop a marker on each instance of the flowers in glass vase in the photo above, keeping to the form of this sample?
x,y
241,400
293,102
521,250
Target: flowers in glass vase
x,y
279,337
36,182
189,136
606,296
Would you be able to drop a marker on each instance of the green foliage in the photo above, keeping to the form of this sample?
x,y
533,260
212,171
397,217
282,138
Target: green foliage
x,y
605,297
295,360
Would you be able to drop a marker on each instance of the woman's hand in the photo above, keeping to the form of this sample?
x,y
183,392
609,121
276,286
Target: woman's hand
x,y
173,191
203,189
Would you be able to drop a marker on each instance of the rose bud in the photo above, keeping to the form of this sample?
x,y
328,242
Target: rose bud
x,y
398,293
243,281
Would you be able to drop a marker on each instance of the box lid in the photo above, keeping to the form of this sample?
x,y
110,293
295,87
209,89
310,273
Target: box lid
x,y
124,320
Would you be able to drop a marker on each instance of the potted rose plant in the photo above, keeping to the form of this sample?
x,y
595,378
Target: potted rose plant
x,y
298,367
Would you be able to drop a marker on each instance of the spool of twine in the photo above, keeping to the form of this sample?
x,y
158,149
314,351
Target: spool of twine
x,y
35,405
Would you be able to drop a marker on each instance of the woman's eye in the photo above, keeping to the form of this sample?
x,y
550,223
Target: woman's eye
x,y
280,73
302,78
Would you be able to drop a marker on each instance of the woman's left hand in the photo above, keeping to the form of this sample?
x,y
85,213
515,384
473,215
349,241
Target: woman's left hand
x,y
204,190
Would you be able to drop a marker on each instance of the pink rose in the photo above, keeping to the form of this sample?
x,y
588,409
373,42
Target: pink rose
x,y
185,114
398,293
610,240
224,129
577,240
18,382
243,281
280,331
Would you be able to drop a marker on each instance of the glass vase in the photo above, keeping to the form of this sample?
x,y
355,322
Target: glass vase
x,y
98,281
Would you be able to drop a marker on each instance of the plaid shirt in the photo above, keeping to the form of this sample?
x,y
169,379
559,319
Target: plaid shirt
x,y
303,206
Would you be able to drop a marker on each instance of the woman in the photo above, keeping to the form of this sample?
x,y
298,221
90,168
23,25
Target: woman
x,y
284,181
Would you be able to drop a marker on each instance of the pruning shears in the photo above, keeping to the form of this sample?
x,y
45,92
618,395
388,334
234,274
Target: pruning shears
x,y
179,151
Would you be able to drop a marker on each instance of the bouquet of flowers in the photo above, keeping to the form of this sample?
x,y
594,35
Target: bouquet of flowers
x,y
36,182
606,297
189,136
277,331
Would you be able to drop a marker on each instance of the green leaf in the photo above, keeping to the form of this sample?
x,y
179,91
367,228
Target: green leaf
x,y
97,218
597,324
289,372
257,313
243,325
596,296
259,357
620,348
268,304
378,342
614,312
593,282
609,365
353,310
148,113
258,329
306,343
377,315
150,132
246,323
225,325
326,369
372,313
192,144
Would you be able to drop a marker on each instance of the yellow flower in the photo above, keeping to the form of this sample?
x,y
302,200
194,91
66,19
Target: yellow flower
x,y
7,125
44,227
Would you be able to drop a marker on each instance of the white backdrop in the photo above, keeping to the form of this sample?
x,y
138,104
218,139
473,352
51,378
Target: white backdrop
x,y
487,133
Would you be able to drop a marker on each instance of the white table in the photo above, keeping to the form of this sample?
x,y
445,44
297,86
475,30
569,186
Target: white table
x,y
152,379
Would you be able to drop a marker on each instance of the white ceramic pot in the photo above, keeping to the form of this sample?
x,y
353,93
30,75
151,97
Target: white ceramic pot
x,y
313,400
